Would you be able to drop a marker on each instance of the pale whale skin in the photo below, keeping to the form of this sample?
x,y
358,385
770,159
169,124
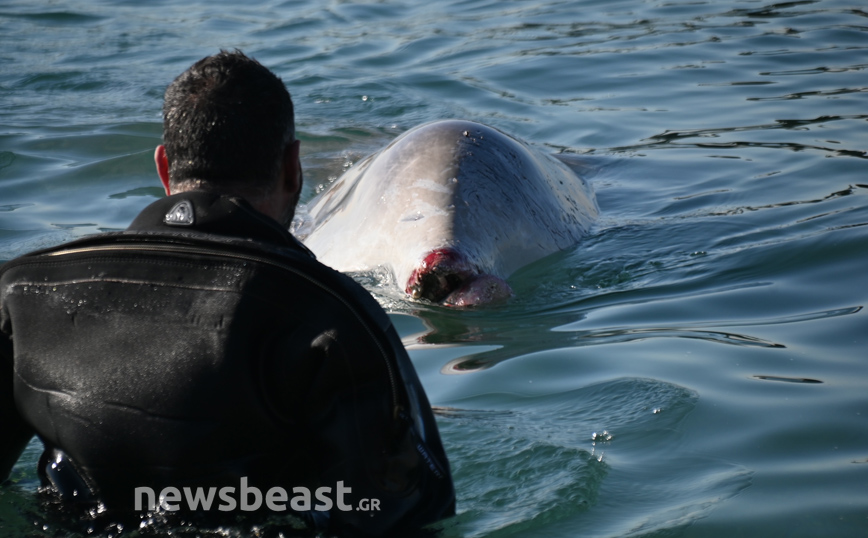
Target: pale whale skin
x,y
453,208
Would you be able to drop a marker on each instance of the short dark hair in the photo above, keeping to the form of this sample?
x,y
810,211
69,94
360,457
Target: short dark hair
x,y
226,121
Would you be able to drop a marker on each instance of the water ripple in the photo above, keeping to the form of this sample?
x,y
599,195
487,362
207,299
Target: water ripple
x,y
577,335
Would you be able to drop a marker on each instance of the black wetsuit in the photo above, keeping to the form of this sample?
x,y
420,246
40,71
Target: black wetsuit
x,y
203,345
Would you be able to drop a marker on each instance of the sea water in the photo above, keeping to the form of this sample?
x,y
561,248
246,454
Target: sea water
x,y
695,367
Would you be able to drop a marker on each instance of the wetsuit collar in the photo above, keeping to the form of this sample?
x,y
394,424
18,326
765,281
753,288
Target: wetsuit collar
x,y
202,212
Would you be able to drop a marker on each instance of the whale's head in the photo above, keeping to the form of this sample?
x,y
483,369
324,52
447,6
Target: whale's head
x,y
446,276
451,208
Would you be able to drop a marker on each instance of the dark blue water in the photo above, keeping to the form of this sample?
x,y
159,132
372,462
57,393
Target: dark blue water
x,y
696,367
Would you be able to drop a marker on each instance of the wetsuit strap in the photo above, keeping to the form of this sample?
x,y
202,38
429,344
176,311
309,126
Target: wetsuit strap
x,y
58,473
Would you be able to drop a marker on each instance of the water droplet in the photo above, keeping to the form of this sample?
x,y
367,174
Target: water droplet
x,y
601,437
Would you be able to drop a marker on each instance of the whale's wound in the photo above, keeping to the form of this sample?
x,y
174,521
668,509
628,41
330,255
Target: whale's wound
x,y
445,276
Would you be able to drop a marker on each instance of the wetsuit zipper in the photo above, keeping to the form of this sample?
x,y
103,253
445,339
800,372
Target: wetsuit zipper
x,y
397,408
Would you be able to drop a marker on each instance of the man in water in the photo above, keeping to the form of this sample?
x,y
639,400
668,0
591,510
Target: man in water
x,y
204,351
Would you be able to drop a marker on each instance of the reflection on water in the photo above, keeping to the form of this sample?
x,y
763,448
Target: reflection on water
x,y
501,339
787,379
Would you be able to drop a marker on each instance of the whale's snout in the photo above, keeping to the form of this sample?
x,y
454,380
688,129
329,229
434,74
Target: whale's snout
x,y
445,276
440,273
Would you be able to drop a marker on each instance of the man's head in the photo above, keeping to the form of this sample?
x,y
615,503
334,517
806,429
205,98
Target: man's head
x,y
228,126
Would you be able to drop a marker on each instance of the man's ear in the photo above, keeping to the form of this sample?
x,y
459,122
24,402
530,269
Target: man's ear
x,y
292,167
162,162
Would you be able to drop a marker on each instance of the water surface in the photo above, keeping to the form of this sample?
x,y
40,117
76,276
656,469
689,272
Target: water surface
x,y
695,367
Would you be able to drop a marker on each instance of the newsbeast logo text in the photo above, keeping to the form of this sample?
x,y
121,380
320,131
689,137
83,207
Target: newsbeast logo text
x,y
250,498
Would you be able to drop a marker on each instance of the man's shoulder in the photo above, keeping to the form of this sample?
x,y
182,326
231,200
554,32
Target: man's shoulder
x,y
138,245
341,285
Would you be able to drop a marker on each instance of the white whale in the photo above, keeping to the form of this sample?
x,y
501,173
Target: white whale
x,y
453,208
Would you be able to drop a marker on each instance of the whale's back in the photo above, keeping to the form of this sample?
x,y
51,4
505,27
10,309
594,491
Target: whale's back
x,y
454,185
